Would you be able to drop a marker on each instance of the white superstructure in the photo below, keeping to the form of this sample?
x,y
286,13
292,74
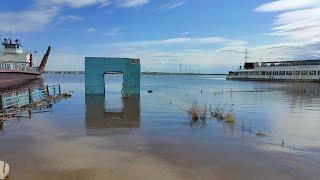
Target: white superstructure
x,y
304,70
13,52
12,57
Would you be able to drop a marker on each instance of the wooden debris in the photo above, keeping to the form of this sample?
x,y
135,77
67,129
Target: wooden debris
x,y
44,103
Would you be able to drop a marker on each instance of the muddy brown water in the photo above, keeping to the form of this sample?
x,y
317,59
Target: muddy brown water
x,y
151,137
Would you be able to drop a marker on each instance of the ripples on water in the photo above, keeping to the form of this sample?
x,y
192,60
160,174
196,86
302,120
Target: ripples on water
x,y
97,137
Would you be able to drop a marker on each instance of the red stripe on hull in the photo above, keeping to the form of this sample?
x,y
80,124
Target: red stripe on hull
x,y
12,79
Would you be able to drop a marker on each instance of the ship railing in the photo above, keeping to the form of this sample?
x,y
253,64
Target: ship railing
x,y
15,66
17,99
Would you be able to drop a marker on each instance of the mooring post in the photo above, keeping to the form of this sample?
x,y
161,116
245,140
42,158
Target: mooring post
x,y
54,90
59,89
1,104
30,95
48,92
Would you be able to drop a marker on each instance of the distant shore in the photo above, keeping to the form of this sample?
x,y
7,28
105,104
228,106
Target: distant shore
x,y
147,73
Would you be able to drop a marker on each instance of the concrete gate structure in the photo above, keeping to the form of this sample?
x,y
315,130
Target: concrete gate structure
x,y
97,67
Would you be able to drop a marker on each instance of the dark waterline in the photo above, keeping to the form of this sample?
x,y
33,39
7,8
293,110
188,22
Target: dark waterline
x,y
151,137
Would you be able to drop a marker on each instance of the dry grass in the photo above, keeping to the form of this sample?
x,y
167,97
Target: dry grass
x,y
196,112
224,113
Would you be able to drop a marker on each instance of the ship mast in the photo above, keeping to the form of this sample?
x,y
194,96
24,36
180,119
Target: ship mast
x,y
246,57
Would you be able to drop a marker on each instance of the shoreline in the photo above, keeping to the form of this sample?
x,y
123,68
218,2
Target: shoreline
x,y
144,73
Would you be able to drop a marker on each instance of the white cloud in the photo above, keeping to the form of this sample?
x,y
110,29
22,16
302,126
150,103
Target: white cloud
x,y
285,5
172,5
131,3
33,19
74,3
90,30
113,32
185,33
182,41
297,25
69,18
40,14
44,12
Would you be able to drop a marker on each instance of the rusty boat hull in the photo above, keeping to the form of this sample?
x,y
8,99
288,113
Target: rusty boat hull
x,y
13,79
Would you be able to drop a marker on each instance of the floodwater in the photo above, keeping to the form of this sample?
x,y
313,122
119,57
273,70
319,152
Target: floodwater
x,y
152,137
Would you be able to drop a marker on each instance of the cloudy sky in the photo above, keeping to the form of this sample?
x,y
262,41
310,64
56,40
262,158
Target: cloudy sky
x,y
201,35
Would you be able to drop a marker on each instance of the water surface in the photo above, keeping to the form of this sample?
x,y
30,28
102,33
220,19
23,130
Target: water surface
x,y
152,137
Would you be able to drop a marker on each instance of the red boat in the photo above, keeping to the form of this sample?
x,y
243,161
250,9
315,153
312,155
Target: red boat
x,y
16,67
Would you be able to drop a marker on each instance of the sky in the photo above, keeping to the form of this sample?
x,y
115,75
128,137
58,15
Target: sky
x,y
207,36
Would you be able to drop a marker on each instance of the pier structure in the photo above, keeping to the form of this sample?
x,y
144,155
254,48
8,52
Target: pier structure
x,y
97,67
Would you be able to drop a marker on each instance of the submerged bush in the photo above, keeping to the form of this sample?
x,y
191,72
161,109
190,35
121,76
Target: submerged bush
x,y
196,112
224,113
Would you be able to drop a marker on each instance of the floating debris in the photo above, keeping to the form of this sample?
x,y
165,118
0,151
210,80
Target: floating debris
x,y
149,91
44,103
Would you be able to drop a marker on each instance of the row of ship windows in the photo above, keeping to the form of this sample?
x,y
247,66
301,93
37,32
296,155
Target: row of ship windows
x,y
12,67
280,73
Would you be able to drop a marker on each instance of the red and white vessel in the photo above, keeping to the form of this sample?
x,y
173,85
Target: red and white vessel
x,y
16,66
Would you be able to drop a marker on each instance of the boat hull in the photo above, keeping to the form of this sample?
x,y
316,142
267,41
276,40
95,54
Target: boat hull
x,y
274,80
14,79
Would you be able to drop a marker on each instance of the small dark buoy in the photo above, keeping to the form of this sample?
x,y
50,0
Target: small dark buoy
x,y
149,91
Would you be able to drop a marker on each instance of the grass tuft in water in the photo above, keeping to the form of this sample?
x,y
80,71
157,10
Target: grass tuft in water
x,y
224,113
196,112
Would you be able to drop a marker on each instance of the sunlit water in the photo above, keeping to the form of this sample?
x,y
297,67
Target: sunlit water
x,y
152,137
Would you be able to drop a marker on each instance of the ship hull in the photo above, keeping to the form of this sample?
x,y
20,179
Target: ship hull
x,y
13,79
274,80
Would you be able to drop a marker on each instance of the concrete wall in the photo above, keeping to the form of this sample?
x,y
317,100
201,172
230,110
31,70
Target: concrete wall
x,y
96,67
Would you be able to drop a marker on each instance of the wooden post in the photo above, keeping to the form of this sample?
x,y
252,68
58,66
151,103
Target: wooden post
x,y
59,89
1,104
30,95
48,92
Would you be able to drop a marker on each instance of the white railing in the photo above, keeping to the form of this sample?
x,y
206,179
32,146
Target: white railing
x,y
18,67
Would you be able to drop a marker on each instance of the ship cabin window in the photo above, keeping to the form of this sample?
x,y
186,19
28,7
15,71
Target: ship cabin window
x,y
318,72
241,73
256,73
296,73
281,73
275,73
289,73
312,72
251,73
263,73
304,73
269,73
245,73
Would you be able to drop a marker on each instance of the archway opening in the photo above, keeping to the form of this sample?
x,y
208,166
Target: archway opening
x,y
113,84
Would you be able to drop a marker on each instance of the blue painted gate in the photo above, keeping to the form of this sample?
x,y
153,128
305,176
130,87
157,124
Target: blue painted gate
x,y
96,67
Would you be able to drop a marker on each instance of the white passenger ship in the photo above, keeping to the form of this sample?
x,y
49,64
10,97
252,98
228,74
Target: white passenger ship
x,y
303,70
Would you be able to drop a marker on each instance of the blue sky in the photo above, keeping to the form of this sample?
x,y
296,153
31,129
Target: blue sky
x,y
201,35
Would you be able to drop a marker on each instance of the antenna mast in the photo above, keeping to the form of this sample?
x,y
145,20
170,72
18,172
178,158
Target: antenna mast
x,y
246,57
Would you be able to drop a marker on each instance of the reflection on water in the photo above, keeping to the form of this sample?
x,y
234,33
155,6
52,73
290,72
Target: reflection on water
x,y
97,118
108,137
36,83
